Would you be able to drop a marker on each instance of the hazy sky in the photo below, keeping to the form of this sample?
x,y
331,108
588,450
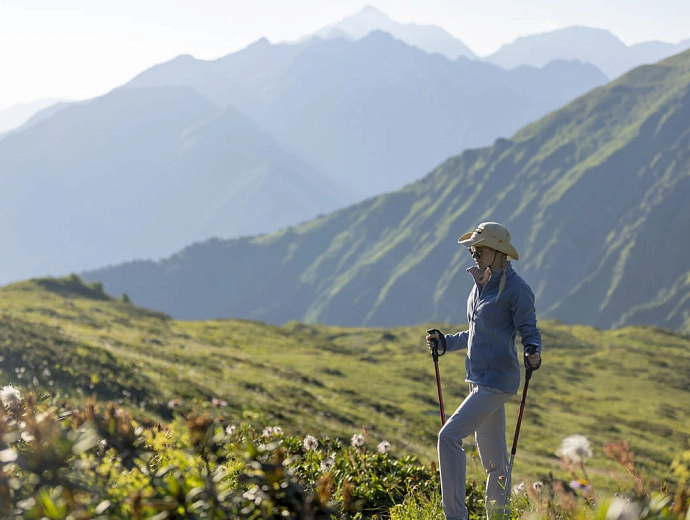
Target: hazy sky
x,y
79,49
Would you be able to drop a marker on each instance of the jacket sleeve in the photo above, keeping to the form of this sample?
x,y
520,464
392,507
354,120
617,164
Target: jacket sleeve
x,y
525,317
456,341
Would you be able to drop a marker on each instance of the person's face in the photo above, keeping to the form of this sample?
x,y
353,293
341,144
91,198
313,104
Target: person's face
x,y
483,256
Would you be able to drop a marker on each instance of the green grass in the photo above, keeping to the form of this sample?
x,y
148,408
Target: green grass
x,y
628,384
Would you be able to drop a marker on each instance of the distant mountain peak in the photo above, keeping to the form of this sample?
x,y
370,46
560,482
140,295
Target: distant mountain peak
x,y
429,38
370,11
597,46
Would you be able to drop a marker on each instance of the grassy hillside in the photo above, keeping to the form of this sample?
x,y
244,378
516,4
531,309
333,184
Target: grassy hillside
x,y
628,384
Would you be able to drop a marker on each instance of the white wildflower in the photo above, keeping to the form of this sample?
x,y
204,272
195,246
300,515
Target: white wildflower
x,y
519,489
358,440
8,455
620,509
231,429
538,486
310,443
10,397
383,447
277,431
575,448
327,464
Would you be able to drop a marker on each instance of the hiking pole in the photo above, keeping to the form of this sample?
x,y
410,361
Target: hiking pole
x,y
435,355
528,375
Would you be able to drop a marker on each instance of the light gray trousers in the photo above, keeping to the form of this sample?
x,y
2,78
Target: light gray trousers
x,y
481,413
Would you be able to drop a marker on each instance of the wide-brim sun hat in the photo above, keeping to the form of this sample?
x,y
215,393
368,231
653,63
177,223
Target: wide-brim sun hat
x,y
490,234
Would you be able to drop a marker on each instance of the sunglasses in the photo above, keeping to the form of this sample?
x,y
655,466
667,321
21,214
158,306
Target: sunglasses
x,y
476,253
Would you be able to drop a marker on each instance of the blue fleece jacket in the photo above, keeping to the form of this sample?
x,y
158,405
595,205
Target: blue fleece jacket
x,y
494,322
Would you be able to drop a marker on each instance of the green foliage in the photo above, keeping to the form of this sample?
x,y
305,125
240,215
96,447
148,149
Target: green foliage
x,y
92,462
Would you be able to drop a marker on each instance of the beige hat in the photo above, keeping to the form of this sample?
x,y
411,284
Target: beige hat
x,y
490,234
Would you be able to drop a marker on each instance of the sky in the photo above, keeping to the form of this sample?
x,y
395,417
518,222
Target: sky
x,y
80,49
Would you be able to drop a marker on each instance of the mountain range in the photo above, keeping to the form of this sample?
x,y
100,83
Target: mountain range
x,y
598,47
259,140
595,195
590,45
392,112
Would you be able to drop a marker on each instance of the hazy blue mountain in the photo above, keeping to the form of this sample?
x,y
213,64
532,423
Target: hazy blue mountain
x,y
591,45
596,46
15,116
376,113
258,140
595,195
429,38
140,173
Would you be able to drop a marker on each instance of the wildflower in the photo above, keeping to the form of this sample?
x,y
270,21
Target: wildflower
x,y
174,403
272,431
310,443
538,486
11,397
218,403
582,484
8,455
575,448
358,440
383,447
231,429
519,489
620,509
327,464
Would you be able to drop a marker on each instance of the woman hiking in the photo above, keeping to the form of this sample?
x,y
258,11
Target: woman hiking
x,y
500,306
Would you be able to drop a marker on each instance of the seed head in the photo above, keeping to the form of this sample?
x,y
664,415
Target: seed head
x,y
358,440
10,397
575,448
310,443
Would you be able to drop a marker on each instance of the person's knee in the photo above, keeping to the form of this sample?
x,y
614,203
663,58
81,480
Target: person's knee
x,y
448,438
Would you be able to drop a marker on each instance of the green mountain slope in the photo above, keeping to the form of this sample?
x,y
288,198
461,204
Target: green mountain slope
x,y
75,340
594,195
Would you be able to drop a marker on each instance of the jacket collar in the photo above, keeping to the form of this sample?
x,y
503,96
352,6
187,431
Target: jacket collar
x,y
493,279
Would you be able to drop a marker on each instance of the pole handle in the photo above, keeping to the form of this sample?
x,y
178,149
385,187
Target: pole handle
x,y
434,349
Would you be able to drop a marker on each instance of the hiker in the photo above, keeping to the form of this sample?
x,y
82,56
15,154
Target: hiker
x,y
500,306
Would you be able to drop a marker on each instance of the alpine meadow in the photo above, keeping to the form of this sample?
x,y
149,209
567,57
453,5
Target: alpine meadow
x,y
127,413
220,275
